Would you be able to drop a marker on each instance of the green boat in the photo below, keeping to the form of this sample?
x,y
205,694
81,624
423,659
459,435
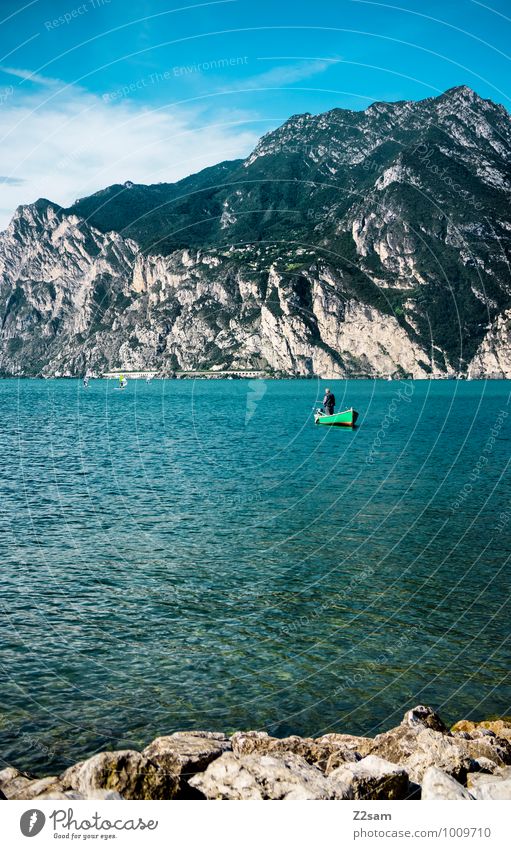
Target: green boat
x,y
346,418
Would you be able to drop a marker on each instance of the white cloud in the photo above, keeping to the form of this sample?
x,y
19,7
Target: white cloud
x,y
285,74
70,143
32,77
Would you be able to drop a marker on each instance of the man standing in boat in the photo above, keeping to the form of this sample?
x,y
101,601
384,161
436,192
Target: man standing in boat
x,y
329,402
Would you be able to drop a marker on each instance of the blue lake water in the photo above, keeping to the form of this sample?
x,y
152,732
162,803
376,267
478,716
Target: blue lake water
x,y
200,555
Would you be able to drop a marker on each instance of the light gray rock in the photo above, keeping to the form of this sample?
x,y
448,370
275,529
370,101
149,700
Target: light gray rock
x,y
424,716
39,786
492,748
500,789
418,748
13,782
19,785
184,755
247,742
484,765
322,753
361,745
476,779
372,778
127,772
436,784
504,772
284,776
484,770
338,757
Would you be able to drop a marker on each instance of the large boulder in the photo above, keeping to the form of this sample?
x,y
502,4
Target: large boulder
x,y
255,776
13,782
248,742
39,786
360,745
424,717
338,757
322,753
371,778
22,786
476,781
419,748
484,748
483,765
127,772
186,754
436,784
500,789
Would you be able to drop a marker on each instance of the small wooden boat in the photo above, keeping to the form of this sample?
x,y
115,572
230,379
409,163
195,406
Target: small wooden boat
x,y
346,418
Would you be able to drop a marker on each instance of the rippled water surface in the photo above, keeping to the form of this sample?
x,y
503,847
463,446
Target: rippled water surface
x,y
198,554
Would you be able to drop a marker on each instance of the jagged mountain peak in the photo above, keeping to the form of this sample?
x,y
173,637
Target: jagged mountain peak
x,y
461,92
41,206
36,214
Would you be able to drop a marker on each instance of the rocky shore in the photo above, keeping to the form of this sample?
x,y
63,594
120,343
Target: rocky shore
x,y
419,759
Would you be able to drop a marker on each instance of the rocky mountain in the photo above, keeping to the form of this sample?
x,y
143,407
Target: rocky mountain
x,y
347,244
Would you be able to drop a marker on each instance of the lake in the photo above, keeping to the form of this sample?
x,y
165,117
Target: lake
x,y
198,554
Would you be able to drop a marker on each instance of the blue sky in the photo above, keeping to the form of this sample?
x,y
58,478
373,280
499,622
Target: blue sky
x,y
103,91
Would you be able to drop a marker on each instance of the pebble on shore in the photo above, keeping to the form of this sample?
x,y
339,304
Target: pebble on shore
x,y
420,758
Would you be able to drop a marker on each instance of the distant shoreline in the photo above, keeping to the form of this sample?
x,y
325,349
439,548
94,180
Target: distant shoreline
x,y
234,376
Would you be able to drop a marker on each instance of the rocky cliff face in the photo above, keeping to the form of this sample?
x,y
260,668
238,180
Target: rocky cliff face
x,y
347,244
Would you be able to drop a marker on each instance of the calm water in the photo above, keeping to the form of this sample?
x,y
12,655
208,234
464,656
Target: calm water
x,y
198,554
